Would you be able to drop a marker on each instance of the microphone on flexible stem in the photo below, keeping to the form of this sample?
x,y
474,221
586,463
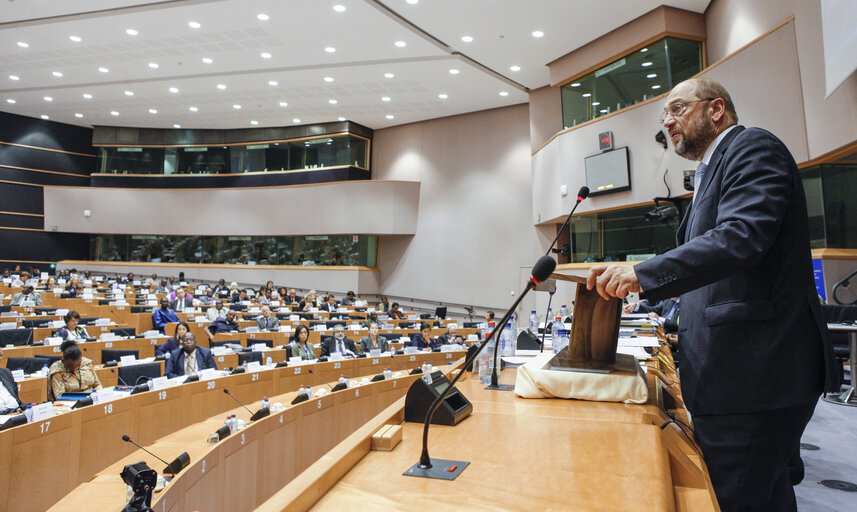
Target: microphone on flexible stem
x,y
444,470
582,194
261,413
332,388
113,371
415,371
172,468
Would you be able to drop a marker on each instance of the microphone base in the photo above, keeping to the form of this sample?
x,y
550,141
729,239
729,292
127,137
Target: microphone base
x,y
501,387
441,469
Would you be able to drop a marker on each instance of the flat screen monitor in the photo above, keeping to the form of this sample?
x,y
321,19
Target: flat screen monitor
x,y
608,172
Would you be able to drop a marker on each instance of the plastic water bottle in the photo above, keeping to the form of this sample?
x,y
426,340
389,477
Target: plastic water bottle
x,y
388,373
563,311
28,413
507,339
343,379
486,362
269,361
534,322
561,340
302,391
487,329
265,402
308,392
555,327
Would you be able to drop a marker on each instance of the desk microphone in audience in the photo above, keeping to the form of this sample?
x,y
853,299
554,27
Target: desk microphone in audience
x,y
173,468
338,386
113,371
261,413
415,371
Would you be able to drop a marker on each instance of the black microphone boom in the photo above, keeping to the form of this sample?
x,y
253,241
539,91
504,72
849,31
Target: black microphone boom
x,y
181,461
415,371
261,413
541,271
120,378
332,388
582,194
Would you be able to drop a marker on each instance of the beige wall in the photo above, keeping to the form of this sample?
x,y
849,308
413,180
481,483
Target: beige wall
x,y
764,81
545,115
473,229
356,207
830,122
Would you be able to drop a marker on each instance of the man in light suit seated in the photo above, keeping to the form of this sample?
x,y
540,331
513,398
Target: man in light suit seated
x,y
189,359
27,293
218,312
266,322
338,343
9,401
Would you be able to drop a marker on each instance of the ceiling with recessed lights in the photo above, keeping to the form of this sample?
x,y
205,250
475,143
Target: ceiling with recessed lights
x,y
243,63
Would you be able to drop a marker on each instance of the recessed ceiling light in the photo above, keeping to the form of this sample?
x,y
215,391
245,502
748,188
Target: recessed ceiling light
x,y
454,71
644,50
467,39
576,84
78,114
340,118
296,120
154,65
389,75
443,96
284,104
389,116
131,32
652,75
538,33
596,103
87,96
647,64
207,60
587,94
48,98
332,101
515,68
174,90
102,69
330,49
43,116
236,106
10,100
656,87
273,83
400,44
262,16
57,74
193,24
222,87
193,109
385,98
254,122
339,8
22,44
114,113
328,79
504,93
603,110
153,111
76,39
265,55
129,93
177,126
14,77
413,2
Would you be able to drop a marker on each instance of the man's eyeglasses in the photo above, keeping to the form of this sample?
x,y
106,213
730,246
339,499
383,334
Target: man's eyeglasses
x,y
677,109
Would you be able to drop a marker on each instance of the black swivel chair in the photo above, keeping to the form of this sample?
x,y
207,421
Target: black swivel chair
x,y
223,343
124,331
834,314
87,321
246,357
253,341
133,374
28,364
116,355
50,359
17,337
36,323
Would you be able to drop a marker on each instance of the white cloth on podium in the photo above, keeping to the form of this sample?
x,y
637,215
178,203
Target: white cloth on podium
x,y
535,382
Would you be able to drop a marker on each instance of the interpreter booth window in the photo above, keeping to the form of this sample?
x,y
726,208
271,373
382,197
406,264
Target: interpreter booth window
x,y
623,235
830,192
132,160
338,250
635,77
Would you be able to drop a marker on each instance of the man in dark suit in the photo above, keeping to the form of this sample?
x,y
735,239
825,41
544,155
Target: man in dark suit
x,y
183,301
267,322
189,359
338,343
9,401
450,336
755,351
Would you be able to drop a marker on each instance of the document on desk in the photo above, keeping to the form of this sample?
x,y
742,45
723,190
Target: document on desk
x,y
637,352
640,341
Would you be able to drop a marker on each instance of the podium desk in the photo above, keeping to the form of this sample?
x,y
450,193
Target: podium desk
x,y
848,396
525,454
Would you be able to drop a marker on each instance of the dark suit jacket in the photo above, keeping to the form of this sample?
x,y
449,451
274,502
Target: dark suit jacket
x,y
328,345
752,337
366,344
8,381
443,339
175,364
421,343
188,303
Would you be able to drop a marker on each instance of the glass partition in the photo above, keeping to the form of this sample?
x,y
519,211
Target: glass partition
x,y
830,192
337,250
636,77
288,155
